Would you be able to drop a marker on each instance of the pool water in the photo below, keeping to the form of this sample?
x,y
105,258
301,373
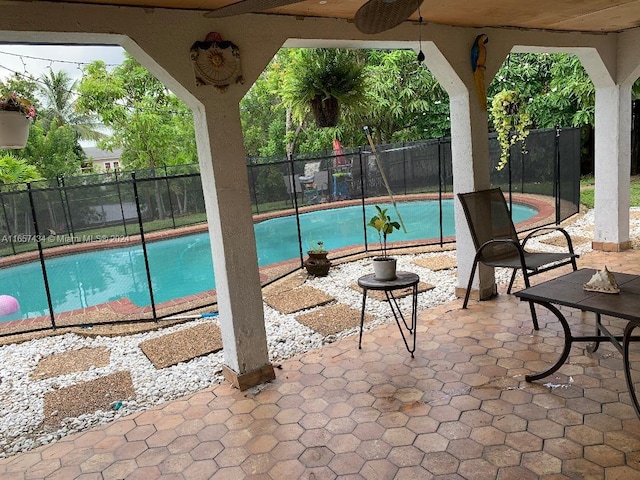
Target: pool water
x,y
183,266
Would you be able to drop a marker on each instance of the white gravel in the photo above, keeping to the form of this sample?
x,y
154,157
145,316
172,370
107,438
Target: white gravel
x,y
22,399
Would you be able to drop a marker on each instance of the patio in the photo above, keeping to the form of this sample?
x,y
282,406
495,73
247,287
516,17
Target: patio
x,y
460,409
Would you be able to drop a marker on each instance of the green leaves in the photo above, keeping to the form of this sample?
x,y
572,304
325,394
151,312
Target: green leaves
x,y
384,226
511,121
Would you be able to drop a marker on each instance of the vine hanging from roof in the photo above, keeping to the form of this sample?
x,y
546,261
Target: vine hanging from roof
x,y
511,122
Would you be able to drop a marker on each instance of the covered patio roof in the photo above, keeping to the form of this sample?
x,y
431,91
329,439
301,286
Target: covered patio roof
x,y
585,15
604,34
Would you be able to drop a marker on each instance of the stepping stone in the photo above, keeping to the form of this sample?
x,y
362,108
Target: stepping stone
x,y
87,397
183,346
287,283
560,241
436,263
297,299
332,319
399,293
71,362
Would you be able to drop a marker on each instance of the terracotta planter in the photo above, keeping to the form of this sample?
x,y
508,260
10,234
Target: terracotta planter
x,y
384,268
14,129
317,264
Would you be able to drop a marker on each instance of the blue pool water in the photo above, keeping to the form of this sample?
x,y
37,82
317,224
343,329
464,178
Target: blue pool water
x,y
183,266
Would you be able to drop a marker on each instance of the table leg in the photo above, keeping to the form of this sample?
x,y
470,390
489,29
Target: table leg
x,y
568,340
364,301
397,315
594,346
626,339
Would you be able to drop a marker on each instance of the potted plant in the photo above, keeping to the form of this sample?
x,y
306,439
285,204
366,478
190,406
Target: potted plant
x,y
384,266
317,263
15,113
511,122
323,80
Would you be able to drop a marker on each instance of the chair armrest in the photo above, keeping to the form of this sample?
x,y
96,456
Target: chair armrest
x,y
551,229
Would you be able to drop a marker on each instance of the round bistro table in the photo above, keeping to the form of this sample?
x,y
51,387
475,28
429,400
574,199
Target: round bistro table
x,y
402,280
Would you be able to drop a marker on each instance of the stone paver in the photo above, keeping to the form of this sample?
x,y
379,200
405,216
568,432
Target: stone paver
x,y
460,409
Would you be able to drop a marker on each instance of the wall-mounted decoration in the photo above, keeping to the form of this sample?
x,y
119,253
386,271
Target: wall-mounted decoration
x,y
478,59
216,62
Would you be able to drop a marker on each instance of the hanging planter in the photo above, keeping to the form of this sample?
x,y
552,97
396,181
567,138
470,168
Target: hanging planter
x,y
326,111
511,122
324,81
14,130
15,113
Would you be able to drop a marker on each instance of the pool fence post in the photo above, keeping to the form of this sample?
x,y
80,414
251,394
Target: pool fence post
x,y
124,220
440,188
295,204
251,168
166,179
404,166
36,231
144,246
362,198
65,207
556,176
6,222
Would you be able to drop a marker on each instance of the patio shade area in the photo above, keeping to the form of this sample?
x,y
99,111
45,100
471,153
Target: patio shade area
x,y
459,409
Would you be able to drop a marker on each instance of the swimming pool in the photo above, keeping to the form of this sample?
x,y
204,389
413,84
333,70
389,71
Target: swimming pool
x,y
183,266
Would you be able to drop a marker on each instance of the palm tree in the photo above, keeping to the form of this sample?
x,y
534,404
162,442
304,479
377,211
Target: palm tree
x,y
59,94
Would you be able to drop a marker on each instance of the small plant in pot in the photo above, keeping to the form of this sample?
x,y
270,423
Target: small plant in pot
x,y
317,264
384,266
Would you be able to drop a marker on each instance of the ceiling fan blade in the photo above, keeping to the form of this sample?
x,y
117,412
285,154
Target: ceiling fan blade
x,y
248,6
376,16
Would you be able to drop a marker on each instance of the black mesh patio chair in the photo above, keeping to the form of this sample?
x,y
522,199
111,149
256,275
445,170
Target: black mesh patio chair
x,y
497,243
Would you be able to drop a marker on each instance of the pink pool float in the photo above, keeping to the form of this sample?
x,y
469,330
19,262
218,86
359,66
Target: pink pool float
x,y
8,305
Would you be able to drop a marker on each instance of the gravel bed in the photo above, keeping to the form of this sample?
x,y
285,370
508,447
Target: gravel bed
x,y
22,394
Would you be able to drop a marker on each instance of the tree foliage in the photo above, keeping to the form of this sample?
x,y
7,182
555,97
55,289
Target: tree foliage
x,y
152,126
16,170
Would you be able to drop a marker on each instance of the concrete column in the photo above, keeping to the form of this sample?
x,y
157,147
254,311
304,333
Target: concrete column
x,y
613,142
226,192
612,167
450,64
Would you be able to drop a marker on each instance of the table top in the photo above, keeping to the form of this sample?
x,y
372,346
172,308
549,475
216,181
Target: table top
x,y
402,280
567,290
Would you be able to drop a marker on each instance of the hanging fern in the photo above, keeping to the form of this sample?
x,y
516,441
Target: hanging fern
x,y
511,122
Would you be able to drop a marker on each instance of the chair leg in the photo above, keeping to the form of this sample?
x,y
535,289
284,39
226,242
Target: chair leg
x,y
513,278
468,292
534,317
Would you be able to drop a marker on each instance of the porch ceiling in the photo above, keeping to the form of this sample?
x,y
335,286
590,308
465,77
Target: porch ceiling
x,y
572,15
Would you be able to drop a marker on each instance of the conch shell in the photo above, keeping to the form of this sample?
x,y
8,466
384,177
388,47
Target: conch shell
x,y
602,281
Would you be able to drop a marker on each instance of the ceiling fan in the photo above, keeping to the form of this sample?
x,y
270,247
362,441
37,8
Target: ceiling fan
x,y
374,16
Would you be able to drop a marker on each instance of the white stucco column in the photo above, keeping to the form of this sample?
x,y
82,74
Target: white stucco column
x,y
226,193
612,167
469,148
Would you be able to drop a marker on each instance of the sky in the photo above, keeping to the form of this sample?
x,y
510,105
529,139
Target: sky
x,y
37,59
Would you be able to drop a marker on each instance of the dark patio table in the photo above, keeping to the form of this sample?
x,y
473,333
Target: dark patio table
x,y
568,291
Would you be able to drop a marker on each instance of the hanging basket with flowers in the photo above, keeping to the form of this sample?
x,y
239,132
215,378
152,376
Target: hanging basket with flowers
x,y
15,116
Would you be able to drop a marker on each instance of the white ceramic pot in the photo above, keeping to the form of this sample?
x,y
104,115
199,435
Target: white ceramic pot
x,y
384,268
14,129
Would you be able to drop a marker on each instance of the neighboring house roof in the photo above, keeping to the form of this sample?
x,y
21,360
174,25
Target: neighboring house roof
x,y
95,154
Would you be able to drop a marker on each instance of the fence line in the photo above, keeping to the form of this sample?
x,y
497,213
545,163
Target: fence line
x,y
52,217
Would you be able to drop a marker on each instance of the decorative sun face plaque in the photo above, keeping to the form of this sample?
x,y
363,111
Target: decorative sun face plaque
x,y
216,62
